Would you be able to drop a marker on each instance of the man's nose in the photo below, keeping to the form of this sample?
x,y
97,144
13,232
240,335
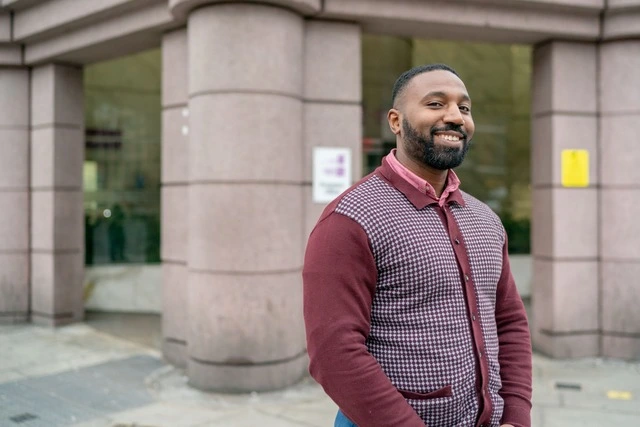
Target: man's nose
x,y
454,115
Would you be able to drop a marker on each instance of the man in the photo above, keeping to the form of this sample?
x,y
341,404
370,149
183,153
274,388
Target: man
x,y
412,314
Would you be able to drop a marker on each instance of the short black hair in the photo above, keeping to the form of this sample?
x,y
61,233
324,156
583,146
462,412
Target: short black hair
x,y
406,77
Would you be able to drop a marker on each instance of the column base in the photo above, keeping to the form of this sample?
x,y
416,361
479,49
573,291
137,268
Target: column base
x,y
567,346
619,347
14,318
246,378
175,352
54,320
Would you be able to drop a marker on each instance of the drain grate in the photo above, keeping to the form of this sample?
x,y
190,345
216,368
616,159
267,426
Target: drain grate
x,y
569,386
19,419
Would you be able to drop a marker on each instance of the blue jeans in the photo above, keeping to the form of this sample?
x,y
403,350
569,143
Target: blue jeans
x,y
342,421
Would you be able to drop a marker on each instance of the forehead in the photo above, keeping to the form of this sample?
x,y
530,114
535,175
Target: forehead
x,y
436,81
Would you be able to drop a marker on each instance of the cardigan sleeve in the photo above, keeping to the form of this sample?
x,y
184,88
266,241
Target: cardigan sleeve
x,y
339,278
515,349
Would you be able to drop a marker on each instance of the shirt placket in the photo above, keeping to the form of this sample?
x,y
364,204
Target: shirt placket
x,y
468,284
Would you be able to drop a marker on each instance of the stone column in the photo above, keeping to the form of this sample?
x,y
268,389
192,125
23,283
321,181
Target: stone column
x,y
620,197
14,192
175,139
57,225
245,198
332,100
564,220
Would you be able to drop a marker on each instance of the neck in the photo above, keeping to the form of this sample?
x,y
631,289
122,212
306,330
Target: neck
x,y
437,178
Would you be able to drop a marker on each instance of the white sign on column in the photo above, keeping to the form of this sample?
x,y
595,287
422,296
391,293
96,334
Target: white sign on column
x,y
331,172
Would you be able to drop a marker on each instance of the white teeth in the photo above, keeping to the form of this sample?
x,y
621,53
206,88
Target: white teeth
x,y
451,138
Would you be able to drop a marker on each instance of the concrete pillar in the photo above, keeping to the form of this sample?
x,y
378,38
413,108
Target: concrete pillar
x,y
565,288
14,194
245,198
620,197
175,143
57,225
332,100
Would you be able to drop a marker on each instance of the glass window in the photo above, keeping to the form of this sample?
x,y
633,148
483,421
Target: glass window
x,y
122,160
498,78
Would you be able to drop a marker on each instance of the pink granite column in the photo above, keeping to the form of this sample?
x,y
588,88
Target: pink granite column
x,y
175,143
14,193
245,198
565,286
332,100
57,224
620,197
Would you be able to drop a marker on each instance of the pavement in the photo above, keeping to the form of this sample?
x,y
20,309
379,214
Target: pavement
x,y
109,373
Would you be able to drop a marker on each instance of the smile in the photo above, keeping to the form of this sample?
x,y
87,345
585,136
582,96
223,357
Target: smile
x,y
453,137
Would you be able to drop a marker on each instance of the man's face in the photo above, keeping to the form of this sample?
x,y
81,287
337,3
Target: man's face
x,y
434,120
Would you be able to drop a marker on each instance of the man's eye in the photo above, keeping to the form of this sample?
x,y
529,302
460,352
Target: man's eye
x,y
465,108
434,104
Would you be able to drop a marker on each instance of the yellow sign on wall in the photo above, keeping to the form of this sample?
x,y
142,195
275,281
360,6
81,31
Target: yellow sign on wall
x,y
575,168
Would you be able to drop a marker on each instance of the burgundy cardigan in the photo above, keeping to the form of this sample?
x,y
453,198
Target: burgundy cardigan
x,y
412,314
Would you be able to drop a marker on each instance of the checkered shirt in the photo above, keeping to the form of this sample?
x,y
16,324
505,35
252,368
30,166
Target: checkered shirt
x,y
420,326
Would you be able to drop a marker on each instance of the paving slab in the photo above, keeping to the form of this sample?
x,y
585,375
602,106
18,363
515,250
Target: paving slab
x,y
83,377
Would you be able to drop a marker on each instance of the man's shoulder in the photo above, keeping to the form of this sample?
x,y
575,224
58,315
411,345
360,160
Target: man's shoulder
x,y
480,208
359,194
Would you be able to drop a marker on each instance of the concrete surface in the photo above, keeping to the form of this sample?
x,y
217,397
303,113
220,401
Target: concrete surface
x,y
108,372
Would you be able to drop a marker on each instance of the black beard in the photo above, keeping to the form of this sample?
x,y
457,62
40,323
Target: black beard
x,y
423,149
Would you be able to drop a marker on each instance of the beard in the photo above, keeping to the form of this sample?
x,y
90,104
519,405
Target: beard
x,y
423,148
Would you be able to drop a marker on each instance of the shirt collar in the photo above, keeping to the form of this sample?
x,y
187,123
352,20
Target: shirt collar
x,y
419,192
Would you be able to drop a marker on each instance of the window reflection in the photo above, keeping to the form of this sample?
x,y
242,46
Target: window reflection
x,y
122,160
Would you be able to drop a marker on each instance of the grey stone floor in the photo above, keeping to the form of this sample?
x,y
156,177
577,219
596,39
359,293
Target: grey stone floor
x,y
108,372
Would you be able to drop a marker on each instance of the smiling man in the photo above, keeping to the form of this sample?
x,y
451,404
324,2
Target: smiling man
x,y
412,314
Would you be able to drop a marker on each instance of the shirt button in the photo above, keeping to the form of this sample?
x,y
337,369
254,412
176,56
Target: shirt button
x,y
480,354
466,278
457,242
473,317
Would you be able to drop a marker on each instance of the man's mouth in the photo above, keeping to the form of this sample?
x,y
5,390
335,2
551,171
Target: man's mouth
x,y
450,137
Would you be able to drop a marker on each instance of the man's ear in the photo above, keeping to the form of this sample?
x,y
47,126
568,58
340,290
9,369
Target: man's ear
x,y
393,117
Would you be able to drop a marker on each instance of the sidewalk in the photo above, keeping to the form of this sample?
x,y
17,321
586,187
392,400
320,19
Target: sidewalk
x,y
79,376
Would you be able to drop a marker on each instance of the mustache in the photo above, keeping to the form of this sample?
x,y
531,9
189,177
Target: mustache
x,y
449,127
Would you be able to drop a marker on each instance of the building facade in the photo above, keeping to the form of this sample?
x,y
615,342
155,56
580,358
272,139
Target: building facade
x,y
246,91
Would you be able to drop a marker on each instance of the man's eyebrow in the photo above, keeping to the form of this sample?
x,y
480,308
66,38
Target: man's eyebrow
x,y
440,94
